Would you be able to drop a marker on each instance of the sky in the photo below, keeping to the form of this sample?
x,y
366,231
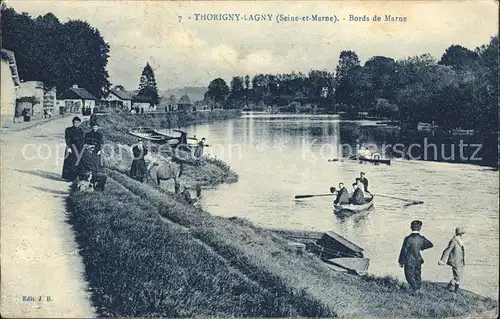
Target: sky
x,y
189,52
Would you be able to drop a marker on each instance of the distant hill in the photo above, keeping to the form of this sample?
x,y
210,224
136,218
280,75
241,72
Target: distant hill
x,y
195,93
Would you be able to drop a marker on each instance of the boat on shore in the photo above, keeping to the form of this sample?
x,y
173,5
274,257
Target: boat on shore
x,y
159,137
148,134
351,209
191,141
337,252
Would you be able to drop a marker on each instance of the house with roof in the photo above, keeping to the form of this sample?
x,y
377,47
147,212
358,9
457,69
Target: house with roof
x,y
76,100
10,84
117,98
142,103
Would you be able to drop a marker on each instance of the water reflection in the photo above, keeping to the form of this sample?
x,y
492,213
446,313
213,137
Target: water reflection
x,y
276,161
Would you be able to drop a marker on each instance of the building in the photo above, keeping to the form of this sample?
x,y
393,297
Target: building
x,y
116,98
50,100
76,100
142,103
185,104
171,104
35,91
10,84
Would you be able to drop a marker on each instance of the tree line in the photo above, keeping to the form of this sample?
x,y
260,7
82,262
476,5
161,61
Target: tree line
x,y
58,54
458,90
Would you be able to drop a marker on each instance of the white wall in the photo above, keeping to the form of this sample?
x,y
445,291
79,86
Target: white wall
x,y
8,93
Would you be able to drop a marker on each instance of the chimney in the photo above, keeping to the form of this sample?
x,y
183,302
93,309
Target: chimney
x,y
75,86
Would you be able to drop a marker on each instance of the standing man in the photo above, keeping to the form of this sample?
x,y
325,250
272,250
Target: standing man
x,y
410,257
364,180
74,137
454,256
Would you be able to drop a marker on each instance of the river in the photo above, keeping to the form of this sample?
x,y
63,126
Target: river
x,y
280,156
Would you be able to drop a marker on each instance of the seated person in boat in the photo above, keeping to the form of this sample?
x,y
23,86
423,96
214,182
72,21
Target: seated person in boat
x,y
342,195
364,180
365,153
357,197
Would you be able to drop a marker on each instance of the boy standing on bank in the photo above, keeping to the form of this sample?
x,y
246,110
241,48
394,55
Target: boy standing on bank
x,y
454,256
410,257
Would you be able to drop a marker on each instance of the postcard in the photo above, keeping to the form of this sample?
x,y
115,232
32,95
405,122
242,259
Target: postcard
x,y
249,159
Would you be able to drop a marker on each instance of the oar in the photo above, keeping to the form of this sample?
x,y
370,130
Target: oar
x,y
410,201
308,196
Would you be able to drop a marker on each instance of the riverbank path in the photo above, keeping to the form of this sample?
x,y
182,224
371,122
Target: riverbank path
x,y
42,272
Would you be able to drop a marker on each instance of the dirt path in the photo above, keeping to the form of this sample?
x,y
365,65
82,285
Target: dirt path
x,y
39,257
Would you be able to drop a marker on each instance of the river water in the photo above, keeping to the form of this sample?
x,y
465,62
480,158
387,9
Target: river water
x,y
280,156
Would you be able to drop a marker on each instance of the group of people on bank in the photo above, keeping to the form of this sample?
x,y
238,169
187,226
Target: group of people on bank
x,y
356,196
411,259
82,159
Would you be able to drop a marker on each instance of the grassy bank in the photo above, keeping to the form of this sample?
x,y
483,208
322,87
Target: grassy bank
x,y
148,253
139,265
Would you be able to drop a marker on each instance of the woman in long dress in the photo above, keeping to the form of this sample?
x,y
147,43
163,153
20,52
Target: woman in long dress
x,y
74,137
138,170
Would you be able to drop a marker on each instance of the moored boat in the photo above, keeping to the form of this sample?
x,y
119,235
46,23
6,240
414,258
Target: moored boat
x,y
191,141
149,134
371,160
356,265
337,252
351,209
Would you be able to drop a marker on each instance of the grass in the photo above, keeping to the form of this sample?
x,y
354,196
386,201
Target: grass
x,y
138,265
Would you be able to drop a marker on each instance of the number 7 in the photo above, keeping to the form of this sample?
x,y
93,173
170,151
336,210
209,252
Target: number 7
x,y
180,18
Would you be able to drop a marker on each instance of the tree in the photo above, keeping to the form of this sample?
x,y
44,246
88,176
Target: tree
x,y
217,90
382,73
459,57
247,82
347,61
237,87
147,85
57,54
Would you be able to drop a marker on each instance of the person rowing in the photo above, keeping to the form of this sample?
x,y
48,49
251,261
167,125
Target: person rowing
x,y
342,195
357,198
364,180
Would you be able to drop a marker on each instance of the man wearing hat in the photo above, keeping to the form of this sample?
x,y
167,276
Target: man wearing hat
x,y
364,180
410,257
454,256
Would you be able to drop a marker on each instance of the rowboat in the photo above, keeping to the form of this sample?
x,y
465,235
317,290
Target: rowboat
x,y
337,252
149,134
356,265
370,160
350,209
191,141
